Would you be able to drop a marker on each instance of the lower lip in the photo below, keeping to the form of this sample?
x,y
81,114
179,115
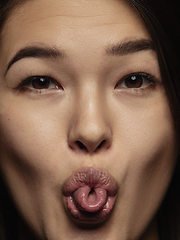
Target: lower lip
x,y
90,195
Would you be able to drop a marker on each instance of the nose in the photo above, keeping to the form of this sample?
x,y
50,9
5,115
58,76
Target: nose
x,y
90,130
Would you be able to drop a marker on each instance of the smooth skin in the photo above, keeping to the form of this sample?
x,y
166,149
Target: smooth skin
x,y
87,116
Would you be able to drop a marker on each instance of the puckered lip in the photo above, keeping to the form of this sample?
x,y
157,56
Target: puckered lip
x,y
93,177
76,189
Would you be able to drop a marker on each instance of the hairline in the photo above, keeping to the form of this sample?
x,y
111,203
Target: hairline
x,y
8,11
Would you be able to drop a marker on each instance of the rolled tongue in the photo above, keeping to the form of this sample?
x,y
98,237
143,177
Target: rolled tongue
x,y
90,199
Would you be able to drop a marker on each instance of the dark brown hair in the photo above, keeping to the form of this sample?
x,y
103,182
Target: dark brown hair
x,y
161,18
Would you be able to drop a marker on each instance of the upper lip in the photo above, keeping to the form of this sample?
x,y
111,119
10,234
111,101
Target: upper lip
x,y
92,177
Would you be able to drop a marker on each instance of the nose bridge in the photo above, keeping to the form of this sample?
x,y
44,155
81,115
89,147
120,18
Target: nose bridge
x,y
90,129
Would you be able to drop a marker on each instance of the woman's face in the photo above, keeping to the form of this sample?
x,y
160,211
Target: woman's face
x,y
82,106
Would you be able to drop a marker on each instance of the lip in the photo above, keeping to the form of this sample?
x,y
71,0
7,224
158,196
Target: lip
x,y
77,188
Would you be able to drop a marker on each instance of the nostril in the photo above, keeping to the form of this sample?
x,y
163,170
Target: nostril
x,y
100,145
81,145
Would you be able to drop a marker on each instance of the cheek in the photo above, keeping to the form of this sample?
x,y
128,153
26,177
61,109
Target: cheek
x,y
33,147
147,140
147,150
33,142
145,127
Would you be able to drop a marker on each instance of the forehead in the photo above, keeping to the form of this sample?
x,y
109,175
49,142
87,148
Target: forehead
x,y
65,23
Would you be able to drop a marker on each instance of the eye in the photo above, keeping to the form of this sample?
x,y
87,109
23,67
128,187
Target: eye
x,y
41,82
135,80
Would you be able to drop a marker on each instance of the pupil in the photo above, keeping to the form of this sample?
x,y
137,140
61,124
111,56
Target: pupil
x,y
133,80
40,83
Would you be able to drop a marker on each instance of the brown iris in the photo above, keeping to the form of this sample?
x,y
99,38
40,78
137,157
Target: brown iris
x,y
134,81
41,82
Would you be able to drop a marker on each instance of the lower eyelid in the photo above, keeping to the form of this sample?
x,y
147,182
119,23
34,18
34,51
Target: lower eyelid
x,y
139,91
38,91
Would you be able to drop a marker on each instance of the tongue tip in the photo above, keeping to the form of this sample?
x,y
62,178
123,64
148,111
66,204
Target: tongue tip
x,y
90,202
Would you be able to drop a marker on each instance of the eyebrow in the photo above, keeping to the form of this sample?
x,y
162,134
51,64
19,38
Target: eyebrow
x,y
36,52
54,53
130,47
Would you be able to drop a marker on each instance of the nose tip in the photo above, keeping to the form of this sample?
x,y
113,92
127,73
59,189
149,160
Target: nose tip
x,y
90,138
90,126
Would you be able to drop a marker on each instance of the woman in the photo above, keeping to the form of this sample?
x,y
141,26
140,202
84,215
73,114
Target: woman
x,y
89,120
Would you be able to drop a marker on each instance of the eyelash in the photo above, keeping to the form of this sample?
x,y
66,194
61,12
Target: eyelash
x,y
147,81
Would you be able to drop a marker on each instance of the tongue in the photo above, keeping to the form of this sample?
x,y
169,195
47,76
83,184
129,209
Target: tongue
x,y
90,199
